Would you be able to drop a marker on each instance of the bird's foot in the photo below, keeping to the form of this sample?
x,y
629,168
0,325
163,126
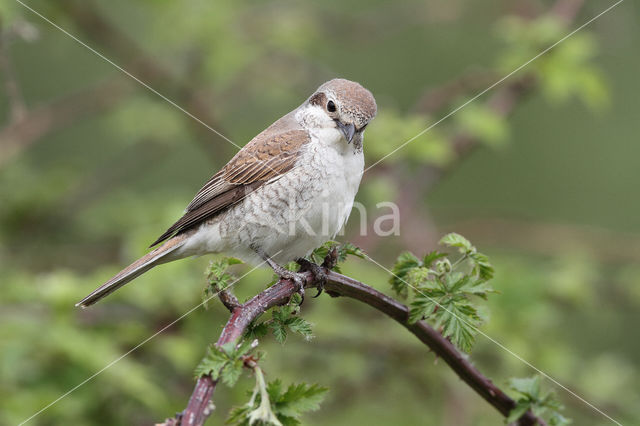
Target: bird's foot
x,y
297,278
320,273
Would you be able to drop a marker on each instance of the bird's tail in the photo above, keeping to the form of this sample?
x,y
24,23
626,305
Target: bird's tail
x,y
137,268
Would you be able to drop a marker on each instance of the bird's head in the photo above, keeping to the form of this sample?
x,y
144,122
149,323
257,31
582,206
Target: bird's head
x,y
344,105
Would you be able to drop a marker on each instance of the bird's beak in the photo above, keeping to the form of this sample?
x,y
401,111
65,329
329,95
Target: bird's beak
x,y
348,130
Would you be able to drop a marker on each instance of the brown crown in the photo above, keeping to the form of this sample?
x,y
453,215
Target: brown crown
x,y
353,99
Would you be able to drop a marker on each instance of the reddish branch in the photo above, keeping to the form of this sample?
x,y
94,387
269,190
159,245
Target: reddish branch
x,y
199,406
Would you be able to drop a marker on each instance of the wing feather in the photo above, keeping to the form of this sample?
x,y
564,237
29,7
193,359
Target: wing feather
x,y
268,156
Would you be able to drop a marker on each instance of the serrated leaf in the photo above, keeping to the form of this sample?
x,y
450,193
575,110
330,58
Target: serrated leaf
x,y
296,299
228,349
317,256
456,240
431,257
482,268
224,362
457,322
348,249
406,262
231,372
420,308
279,331
528,386
530,390
212,363
274,388
300,398
238,415
517,411
557,419
300,326
279,315
459,282
256,331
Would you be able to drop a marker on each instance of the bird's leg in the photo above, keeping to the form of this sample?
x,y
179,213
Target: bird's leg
x,y
298,279
319,273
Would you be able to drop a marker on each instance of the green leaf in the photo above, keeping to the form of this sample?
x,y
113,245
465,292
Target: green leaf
x,y
456,240
458,322
517,411
229,349
296,299
459,282
279,331
420,308
300,326
238,415
443,291
231,372
343,251
348,249
485,124
224,362
530,391
404,264
529,386
481,266
256,331
298,399
218,278
431,257
274,388
557,419
212,363
288,406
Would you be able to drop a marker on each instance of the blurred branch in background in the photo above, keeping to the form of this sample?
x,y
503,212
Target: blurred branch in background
x,y
36,123
16,101
25,128
461,142
195,99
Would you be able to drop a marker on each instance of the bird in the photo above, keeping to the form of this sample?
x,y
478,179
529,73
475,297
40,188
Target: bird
x,y
285,193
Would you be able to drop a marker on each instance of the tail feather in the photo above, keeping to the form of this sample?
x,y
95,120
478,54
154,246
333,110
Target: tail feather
x,y
137,268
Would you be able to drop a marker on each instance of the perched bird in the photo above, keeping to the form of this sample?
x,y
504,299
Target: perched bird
x,y
285,193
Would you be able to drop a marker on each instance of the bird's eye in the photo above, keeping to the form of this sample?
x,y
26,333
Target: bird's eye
x,y
331,107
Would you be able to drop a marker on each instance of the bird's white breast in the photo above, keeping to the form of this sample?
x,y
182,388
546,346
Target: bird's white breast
x,y
296,213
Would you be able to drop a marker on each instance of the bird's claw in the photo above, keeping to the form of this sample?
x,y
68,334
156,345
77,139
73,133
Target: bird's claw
x,y
319,273
298,280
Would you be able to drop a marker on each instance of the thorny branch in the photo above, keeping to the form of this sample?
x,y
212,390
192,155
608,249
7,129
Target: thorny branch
x,y
200,406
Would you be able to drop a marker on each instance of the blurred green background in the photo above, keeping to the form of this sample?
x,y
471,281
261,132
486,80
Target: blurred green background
x,y
93,167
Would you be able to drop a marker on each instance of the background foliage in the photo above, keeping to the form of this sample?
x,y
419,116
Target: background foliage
x,y
550,195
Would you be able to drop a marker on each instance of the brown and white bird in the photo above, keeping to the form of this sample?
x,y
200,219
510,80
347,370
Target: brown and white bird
x,y
285,193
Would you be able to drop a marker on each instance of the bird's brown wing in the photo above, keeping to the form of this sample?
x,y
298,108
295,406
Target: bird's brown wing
x,y
267,157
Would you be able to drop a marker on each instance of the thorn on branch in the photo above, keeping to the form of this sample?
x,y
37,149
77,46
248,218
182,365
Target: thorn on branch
x,y
229,300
